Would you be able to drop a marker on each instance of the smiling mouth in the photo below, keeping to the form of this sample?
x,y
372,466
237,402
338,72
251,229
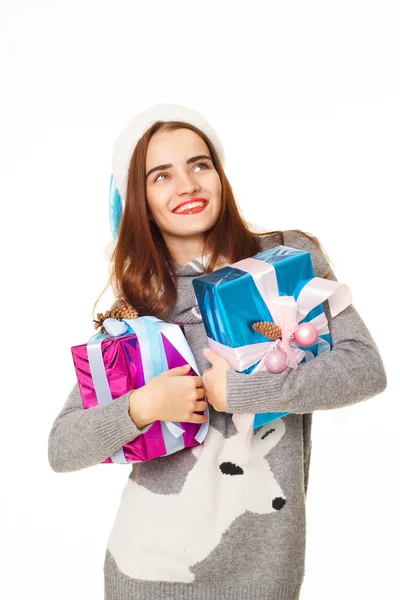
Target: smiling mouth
x,y
191,208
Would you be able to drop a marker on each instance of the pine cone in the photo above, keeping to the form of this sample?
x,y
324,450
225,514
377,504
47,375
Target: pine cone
x,y
100,319
269,329
118,312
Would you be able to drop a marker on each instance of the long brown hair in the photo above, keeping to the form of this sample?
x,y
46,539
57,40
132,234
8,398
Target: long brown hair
x,y
141,264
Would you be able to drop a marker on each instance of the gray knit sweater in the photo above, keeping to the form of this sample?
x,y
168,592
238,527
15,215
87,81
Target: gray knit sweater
x,y
195,525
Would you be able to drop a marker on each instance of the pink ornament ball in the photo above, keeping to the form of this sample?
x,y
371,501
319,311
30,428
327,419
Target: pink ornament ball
x,y
276,361
306,334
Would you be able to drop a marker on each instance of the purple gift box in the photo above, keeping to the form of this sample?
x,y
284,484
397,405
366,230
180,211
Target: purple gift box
x,y
133,352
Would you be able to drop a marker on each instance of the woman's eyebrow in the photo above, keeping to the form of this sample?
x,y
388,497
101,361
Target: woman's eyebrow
x,y
169,165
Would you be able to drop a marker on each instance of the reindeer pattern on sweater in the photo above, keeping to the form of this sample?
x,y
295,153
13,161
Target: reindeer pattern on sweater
x,y
160,537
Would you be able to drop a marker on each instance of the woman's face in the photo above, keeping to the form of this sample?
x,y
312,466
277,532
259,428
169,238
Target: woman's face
x,y
180,181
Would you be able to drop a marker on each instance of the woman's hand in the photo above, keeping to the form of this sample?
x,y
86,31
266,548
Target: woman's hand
x,y
172,395
214,380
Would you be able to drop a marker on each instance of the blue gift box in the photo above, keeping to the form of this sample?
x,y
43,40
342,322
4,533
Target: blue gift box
x,y
230,303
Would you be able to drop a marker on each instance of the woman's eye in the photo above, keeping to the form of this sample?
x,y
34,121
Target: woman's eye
x,y
159,176
201,164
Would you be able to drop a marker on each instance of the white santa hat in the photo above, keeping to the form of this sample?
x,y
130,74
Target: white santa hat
x,y
126,143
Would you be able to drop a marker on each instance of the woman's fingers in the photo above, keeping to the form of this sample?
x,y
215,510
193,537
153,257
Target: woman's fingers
x,y
197,418
201,405
198,380
200,392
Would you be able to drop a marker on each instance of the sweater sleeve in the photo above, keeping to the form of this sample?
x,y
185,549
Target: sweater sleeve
x,y
352,371
80,438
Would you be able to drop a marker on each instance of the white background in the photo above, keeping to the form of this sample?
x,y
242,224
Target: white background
x,y
305,98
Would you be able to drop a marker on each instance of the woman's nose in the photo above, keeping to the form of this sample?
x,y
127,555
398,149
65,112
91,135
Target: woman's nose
x,y
185,183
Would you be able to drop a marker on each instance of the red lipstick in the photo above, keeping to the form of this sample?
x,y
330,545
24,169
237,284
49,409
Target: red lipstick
x,y
194,210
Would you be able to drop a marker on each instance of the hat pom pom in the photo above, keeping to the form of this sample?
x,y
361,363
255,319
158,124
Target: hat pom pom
x,y
109,249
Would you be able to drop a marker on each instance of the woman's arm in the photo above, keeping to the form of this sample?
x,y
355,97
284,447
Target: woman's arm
x,y
352,371
81,438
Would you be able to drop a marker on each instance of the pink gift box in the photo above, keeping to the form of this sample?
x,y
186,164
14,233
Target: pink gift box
x,y
122,367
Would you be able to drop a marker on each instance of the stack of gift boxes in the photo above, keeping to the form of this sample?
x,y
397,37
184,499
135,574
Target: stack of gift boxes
x,y
275,293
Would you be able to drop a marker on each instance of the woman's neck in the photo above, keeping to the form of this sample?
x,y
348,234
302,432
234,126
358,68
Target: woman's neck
x,y
183,250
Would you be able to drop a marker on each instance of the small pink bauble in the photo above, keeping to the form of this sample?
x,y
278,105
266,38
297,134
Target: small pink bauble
x,y
306,334
276,361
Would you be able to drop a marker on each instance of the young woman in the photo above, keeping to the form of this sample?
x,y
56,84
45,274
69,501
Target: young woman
x,y
198,524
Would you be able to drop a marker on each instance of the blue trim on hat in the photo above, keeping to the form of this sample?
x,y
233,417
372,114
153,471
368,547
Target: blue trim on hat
x,y
115,208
